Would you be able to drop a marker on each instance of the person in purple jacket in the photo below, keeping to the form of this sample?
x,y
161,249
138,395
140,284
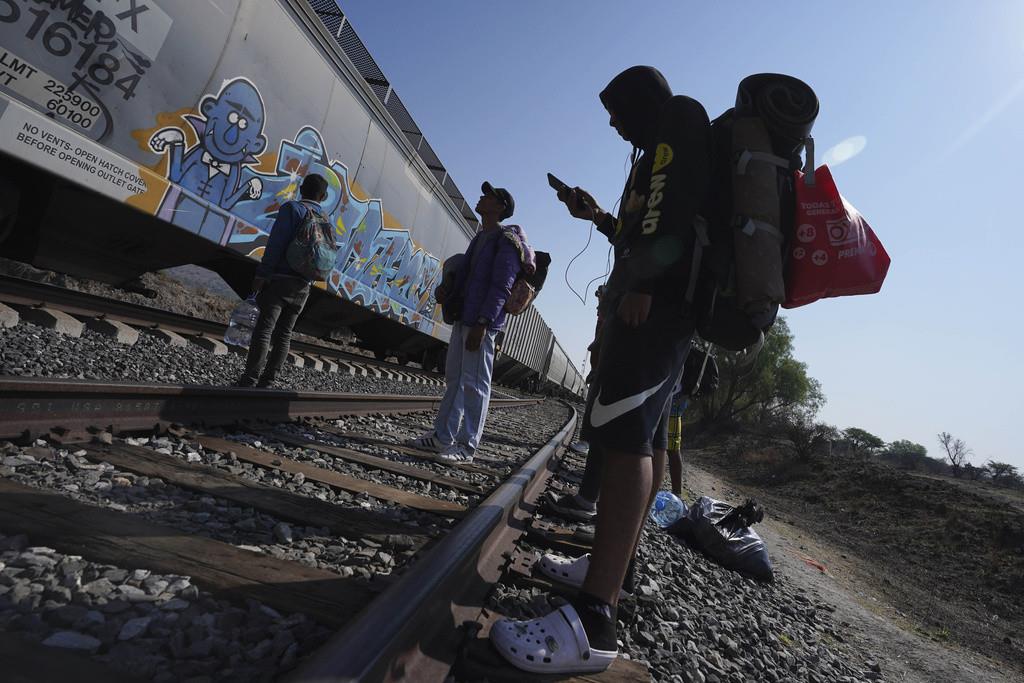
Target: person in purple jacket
x,y
479,290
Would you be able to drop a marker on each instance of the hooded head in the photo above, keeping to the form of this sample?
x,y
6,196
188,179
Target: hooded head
x,y
634,99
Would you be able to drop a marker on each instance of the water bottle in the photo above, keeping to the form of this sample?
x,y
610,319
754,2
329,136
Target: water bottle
x,y
242,323
580,447
667,509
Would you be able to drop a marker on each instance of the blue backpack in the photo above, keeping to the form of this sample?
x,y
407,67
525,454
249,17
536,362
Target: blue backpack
x,y
313,251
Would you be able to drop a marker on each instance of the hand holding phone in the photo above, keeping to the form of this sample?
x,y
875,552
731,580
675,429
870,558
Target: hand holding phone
x,y
557,185
579,202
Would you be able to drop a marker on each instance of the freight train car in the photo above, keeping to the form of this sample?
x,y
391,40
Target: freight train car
x,y
143,135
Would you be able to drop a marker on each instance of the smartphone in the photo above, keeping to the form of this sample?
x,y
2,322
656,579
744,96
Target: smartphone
x,y
557,184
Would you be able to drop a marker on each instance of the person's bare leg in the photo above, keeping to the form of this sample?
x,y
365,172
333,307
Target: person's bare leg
x,y
660,456
624,501
675,471
659,476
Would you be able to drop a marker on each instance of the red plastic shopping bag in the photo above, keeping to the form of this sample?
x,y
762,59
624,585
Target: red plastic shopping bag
x,y
834,252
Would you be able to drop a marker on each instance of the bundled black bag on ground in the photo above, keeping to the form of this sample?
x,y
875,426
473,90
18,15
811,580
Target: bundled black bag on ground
x,y
723,533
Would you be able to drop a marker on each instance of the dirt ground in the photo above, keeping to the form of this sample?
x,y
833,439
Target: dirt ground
x,y
927,572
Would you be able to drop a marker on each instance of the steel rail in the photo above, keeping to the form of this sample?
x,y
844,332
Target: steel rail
x,y
33,406
410,632
20,291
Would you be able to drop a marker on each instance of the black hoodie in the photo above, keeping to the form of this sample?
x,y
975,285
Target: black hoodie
x,y
653,233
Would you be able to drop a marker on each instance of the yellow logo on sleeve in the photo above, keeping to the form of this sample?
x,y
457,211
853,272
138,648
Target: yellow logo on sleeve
x,y
662,157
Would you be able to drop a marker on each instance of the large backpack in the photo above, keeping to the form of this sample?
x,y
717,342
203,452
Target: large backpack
x,y
313,250
738,281
451,307
532,274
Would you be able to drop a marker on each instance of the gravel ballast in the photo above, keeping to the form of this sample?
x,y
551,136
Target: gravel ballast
x,y
31,351
157,627
693,621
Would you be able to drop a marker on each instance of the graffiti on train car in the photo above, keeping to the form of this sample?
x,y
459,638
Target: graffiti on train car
x,y
225,188
105,54
229,133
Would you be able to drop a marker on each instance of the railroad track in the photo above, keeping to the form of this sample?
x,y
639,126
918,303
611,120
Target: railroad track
x,y
37,301
412,547
50,406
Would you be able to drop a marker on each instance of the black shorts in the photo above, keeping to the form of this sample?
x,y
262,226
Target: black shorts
x,y
628,404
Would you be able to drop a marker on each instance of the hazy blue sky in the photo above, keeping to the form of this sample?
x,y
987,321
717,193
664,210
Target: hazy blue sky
x,y
507,91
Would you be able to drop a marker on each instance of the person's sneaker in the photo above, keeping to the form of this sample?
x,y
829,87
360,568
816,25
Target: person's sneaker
x,y
455,455
568,505
570,571
244,383
427,442
584,533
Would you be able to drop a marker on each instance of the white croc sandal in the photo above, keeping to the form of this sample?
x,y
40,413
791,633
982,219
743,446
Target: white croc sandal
x,y
568,571
555,644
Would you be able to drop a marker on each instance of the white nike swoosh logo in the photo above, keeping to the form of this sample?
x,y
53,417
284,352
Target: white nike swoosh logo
x,y
603,414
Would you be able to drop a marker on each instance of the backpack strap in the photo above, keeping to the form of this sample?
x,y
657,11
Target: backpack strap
x,y
701,241
315,213
526,263
703,367
752,225
746,156
809,164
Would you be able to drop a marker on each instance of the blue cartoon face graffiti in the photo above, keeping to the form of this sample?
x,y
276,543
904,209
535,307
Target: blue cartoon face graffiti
x,y
234,123
230,134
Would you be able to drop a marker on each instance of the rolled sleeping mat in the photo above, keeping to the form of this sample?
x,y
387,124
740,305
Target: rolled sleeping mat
x,y
757,239
788,106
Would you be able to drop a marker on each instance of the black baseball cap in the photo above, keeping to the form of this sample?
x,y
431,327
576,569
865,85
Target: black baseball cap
x,y
502,194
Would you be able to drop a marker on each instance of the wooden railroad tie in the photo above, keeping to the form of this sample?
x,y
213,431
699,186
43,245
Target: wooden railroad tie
x,y
289,506
415,452
131,542
372,461
332,478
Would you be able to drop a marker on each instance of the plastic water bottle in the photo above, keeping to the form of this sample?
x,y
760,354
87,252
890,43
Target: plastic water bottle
x,y
581,447
242,323
667,509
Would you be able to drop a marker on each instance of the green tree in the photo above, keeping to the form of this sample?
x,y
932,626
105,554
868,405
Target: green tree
x,y
906,454
809,437
862,440
774,386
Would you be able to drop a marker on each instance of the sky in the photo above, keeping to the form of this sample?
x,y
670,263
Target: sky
x,y
922,102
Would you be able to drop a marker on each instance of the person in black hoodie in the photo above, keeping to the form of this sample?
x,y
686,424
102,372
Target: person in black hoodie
x,y
643,346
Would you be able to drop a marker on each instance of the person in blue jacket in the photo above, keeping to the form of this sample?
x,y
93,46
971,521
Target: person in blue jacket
x,y
282,292
479,290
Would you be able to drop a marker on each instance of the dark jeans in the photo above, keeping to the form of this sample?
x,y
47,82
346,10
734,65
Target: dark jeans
x,y
280,301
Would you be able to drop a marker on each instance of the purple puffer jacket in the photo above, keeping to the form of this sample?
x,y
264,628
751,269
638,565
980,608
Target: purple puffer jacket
x,y
497,258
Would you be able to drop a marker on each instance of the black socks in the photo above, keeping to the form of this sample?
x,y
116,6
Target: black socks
x,y
599,620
